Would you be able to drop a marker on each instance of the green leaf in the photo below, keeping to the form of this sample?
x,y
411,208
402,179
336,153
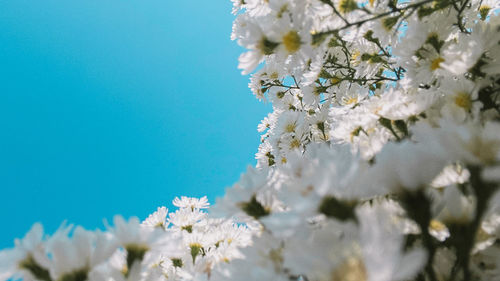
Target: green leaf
x,y
347,6
177,262
30,264
334,208
135,252
369,36
253,208
385,122
389,23
434,41
267,46
318,38
401,126
77,275
424,12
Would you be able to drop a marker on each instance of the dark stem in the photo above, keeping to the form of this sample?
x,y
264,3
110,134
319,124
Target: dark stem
x,y
418,208
483,192
361,22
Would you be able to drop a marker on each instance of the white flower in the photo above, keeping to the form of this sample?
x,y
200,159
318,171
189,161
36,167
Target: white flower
x,y
81,253
28,254
374,102
265,260
451,174
251,36
405,166
192,203
142,243
471,143
403,103
186,219
382,247
250,198
157,219
458,208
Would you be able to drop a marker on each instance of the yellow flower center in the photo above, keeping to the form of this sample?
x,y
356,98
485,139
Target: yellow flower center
x,y
436,63
291,40
295,143
483,11
437,225
350,100
463,100
352,269
290,127
335,80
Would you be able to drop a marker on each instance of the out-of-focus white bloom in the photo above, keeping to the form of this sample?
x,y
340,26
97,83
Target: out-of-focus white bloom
x,y
28,253
266,258
470,143
488,232
143,244
80,254
382,247
403,104
458,208
379,161
405,166
462,57
250,198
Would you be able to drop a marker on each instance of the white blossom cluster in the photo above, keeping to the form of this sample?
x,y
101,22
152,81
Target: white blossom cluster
x,y
379,162
363,72
381,158
183,245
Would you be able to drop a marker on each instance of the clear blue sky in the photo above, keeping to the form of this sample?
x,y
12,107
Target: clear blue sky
x,y
116,107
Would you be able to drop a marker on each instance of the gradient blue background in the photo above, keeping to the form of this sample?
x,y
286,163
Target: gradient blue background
x,y
116,107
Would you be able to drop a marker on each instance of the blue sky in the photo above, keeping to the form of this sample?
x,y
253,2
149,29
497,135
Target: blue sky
x,y
116,107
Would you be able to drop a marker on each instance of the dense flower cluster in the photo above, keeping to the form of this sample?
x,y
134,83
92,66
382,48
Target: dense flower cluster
x,y
183,245
380,160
